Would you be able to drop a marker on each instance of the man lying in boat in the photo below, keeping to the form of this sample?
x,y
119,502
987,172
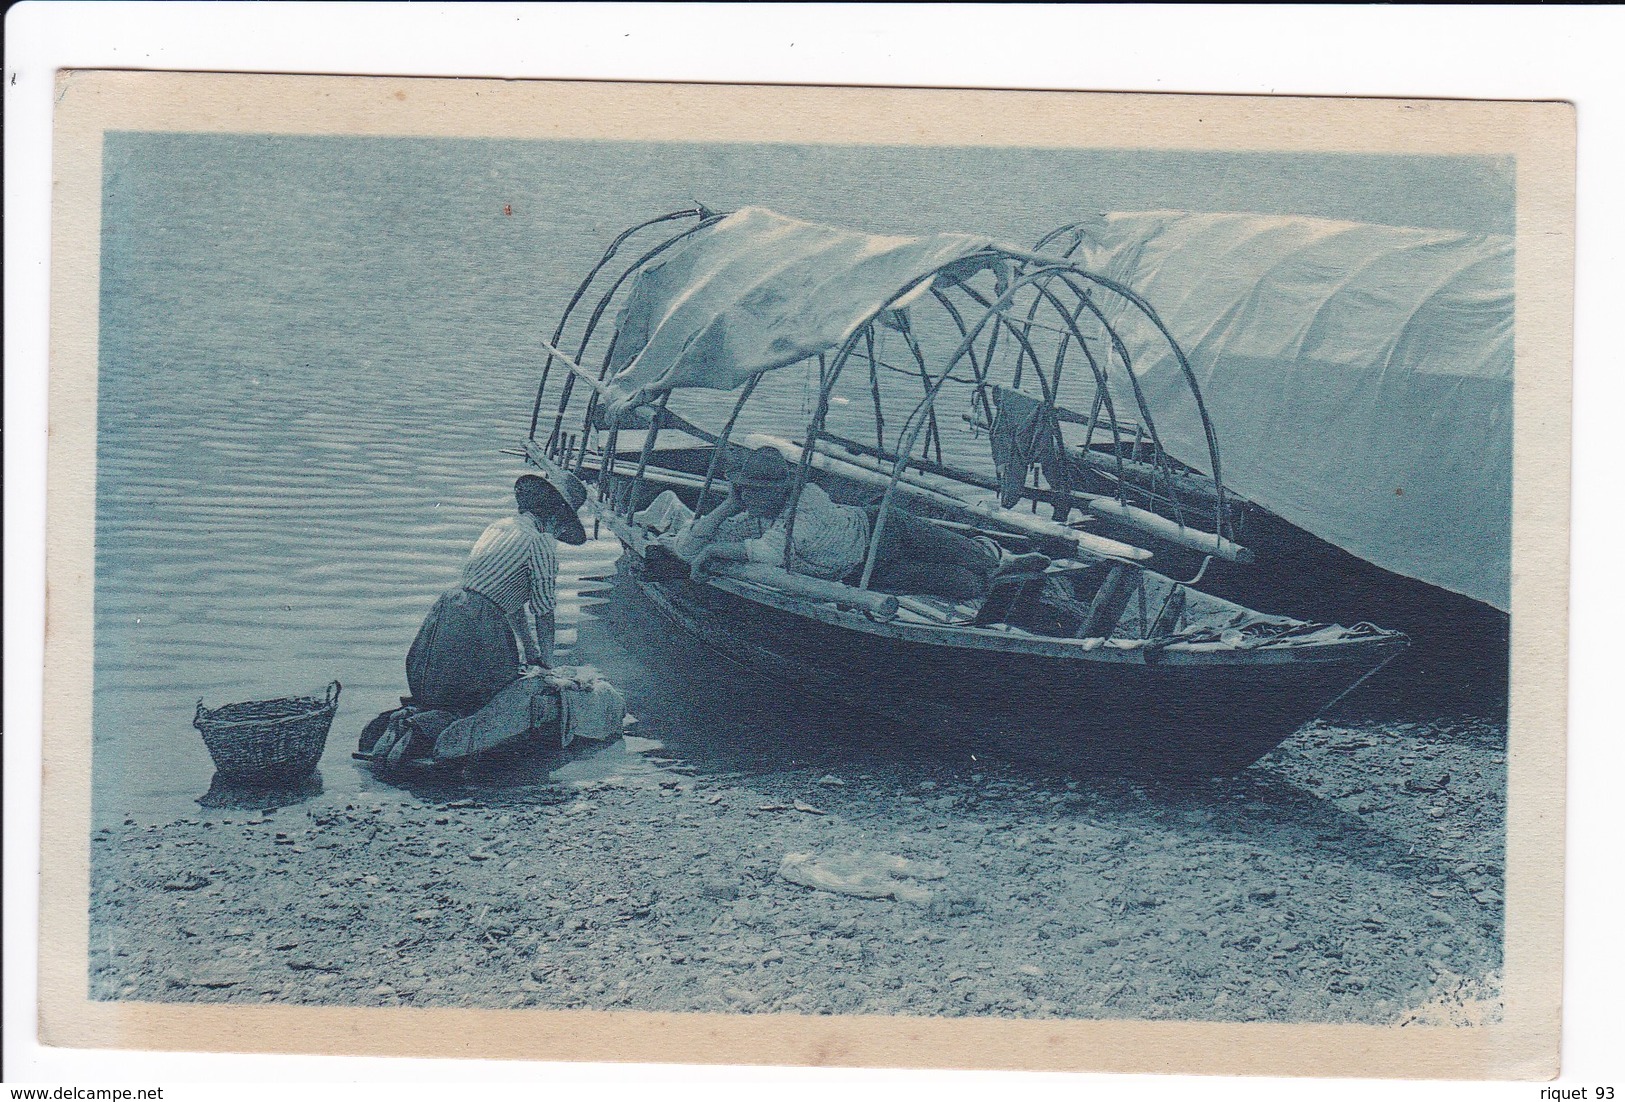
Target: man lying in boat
x,y
915,556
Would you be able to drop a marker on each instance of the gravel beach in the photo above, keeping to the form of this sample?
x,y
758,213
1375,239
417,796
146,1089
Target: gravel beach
x,y
1355,875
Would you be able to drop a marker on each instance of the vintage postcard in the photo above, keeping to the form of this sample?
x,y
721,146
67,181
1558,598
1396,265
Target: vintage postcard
x,y
807,575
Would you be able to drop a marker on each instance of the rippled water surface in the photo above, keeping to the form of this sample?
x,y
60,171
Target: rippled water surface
x,y
314,349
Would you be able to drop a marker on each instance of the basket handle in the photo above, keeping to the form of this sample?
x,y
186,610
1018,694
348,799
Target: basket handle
x,y
333,692
197,720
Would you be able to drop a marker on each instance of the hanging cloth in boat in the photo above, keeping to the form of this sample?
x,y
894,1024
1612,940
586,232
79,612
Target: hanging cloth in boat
x,y
1359,376
1025,432
758,291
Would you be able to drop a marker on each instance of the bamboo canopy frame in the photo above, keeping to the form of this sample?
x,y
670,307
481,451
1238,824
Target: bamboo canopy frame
x,y
1043,306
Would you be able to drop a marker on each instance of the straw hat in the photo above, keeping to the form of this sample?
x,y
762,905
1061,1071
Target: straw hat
x,y
763,469
535,494
573,489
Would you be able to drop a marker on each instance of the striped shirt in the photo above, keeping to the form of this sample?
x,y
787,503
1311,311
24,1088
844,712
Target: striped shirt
x,y
514,562
830,539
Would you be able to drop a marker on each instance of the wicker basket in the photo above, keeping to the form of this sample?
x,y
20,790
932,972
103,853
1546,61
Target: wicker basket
x,y
268,739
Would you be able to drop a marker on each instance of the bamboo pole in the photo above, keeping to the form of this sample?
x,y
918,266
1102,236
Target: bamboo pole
x,y
660,415
1193,539
719,451
920,491
576,369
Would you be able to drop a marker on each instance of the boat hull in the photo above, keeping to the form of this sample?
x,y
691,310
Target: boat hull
x,y
1106,713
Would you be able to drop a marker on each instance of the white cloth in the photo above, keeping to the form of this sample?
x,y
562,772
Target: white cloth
x,y
865,875
665,514
757,291
589,706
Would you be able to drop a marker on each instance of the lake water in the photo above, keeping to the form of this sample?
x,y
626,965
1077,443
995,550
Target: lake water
x,y
314,349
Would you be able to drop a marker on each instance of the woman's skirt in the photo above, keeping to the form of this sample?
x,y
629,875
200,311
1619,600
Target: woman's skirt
x,y
464,654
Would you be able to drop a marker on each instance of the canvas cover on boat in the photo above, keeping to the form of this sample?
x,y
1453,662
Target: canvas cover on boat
x,y
758,291
1359,377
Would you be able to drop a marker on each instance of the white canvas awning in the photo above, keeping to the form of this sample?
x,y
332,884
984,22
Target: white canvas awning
x,y
758,291
1359,377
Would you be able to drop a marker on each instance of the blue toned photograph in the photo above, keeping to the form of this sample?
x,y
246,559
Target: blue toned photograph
x,y
802,579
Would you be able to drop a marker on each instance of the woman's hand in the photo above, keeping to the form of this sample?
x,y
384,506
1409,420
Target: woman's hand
x,y
700,563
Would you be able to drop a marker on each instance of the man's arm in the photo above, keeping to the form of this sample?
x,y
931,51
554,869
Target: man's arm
x,y
767,548
728,551
703,530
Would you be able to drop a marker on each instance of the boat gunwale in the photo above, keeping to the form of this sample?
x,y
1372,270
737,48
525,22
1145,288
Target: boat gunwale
x,y
990,640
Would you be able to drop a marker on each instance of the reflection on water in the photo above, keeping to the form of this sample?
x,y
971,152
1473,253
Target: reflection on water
x,y
235,793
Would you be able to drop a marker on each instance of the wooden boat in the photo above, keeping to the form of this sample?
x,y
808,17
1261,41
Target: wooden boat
x,y
1099,662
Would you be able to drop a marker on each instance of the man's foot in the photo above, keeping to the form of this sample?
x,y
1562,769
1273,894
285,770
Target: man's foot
x,y
1031,563
990,547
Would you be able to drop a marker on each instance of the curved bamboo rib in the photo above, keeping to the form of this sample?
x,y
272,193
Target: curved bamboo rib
x,y
826,384
905,444
1075,231
598,312
1057,283
581,290
1102,389
719,453
1151,315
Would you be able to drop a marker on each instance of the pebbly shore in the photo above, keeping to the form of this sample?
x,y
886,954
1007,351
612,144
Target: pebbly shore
x,y
1355,875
